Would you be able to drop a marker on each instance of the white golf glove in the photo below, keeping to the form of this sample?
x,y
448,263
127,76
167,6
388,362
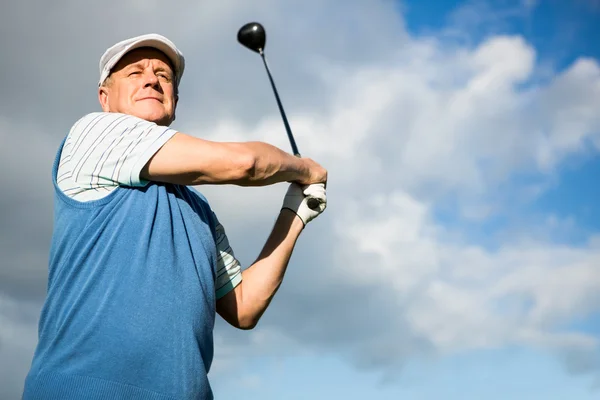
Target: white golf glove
x,y
296,199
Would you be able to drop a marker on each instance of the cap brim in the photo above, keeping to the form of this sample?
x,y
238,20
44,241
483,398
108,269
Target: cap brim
x,y
171,53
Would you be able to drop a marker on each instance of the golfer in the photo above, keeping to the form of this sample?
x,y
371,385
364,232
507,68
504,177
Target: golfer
x,y
139,264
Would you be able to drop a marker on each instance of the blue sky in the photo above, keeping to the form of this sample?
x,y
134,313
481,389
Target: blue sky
x,y
494,375
560,30
458,256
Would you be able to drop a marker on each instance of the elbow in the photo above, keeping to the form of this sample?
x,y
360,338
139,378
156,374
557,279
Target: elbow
x,y
248,167
244,168
239,318
255,169
247,323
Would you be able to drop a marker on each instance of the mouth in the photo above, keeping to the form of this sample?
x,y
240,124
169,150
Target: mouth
x,y
151,98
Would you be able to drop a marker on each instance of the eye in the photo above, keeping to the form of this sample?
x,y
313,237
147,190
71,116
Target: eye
x,y
132,73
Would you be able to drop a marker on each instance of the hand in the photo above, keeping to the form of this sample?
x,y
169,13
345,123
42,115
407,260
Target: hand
x,y
315,173
296,200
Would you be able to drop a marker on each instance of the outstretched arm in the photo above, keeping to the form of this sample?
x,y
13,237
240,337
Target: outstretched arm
x,y
245,304
187,160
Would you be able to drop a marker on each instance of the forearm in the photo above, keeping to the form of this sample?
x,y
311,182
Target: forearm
x,y
187,160
262,280
273,165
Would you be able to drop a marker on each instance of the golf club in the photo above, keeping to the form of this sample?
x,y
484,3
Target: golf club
x,y
254,37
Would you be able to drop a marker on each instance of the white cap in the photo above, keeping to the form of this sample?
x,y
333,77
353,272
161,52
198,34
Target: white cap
x,y
112,56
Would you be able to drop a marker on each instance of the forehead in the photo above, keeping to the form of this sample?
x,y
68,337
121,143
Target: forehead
x,y
144,54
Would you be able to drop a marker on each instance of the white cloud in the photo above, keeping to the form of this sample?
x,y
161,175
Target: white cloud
x,y
403,136
458,296
463,124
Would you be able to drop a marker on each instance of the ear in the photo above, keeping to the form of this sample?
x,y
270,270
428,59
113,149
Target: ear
x,y
103,98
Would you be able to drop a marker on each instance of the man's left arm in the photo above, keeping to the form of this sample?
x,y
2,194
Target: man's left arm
x,y
243,306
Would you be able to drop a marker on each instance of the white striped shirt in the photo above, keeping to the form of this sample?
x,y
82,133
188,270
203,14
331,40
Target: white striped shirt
x,y
107,150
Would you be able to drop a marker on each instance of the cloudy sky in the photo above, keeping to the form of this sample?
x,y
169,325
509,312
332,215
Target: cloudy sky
x,y
459,256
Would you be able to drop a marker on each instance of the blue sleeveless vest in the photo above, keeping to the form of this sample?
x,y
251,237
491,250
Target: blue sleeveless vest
x,y
130,306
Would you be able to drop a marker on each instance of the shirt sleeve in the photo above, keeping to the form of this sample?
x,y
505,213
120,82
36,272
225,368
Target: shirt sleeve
x,y
104,150
229,271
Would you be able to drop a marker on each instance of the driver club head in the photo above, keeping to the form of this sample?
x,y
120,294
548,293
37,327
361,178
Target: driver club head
x,y
253,36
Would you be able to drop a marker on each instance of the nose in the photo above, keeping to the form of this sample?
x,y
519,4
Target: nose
x,y
151,80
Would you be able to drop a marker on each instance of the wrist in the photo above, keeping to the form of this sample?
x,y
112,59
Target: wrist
x,y
290,217
302,170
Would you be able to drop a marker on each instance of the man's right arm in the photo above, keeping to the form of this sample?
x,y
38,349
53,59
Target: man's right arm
x,y
187,160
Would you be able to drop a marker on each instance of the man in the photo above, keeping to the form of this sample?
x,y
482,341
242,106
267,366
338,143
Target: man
x,y
139,263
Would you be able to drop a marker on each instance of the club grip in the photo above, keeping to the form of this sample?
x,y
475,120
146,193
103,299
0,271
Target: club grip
x,y
313,203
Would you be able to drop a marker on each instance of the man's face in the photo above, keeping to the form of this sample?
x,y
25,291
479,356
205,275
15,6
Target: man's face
x,y
142,84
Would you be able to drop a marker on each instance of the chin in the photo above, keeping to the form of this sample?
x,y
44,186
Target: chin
x,y
157,116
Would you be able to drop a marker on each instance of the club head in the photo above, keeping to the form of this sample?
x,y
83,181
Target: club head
x,y
253,36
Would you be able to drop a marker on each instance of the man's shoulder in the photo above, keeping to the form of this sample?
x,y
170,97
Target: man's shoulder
x,y
103,119
92,116
85,121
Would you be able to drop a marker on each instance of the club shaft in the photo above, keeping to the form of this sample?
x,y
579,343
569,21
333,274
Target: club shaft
x,y
285,121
